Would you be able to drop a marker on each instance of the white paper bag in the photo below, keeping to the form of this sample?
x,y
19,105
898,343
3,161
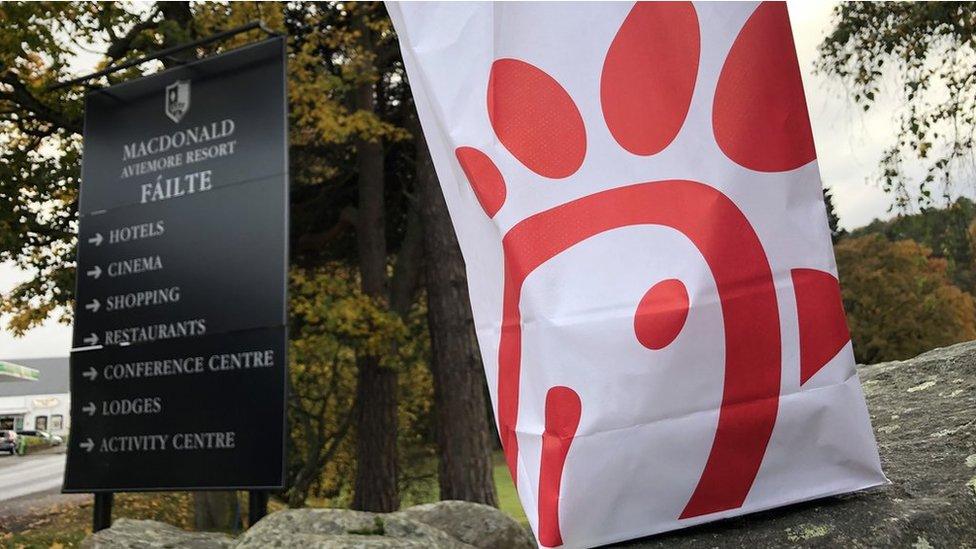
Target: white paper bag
x,y
635,191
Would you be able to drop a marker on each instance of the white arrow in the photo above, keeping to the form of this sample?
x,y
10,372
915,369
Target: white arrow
x,y
91,340
96,240
95,273
93,306
90,409
87,445
91,374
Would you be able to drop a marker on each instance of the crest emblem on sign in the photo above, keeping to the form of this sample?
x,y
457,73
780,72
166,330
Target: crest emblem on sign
x,y
177,99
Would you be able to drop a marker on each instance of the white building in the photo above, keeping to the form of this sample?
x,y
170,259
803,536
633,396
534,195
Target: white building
x,y
36,397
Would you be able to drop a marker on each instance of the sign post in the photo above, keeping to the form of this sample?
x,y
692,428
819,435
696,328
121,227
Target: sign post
x,y
102,511
178,365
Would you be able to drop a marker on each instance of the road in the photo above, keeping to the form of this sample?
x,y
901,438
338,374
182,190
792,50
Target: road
x,y
24,475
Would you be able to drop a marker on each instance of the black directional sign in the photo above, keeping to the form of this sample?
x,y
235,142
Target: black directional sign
x,y
178,365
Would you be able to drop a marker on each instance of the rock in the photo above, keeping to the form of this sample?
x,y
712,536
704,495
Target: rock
x,y
924,414
344,529
444,525
149,534
479,525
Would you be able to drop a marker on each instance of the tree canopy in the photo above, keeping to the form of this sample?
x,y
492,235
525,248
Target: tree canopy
x,y
40,128
899,299
948,232
929,50
357,242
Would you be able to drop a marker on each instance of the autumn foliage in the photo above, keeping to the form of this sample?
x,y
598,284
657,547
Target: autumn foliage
x,y
907,283
899,299
331,322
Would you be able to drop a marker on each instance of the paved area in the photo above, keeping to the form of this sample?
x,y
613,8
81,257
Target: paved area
x,y
31,474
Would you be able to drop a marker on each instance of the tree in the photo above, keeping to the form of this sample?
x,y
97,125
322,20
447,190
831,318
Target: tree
x,y
945,231
367,90
332,323
833,221
930,48
39,189
899,300
326,329
354,201
463,433
396,191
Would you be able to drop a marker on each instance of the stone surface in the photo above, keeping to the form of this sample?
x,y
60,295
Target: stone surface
x,y
149,534
444,525
339,528
924,414
479,525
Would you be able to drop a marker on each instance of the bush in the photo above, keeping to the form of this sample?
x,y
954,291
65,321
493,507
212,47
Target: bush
x,y
899,299
27,444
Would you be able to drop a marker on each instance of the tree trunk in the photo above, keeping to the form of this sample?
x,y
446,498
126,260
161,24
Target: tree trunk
x,y
376,462
463,437
375,487
218,511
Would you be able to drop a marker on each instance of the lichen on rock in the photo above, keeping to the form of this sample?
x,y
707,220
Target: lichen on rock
x,y
343,528
149,534
478,525
442,525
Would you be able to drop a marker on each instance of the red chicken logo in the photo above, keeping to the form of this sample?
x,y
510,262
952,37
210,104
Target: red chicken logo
x,y
759,120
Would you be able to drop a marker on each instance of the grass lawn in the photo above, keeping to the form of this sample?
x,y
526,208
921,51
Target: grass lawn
x,y
507,497
508,500
65,526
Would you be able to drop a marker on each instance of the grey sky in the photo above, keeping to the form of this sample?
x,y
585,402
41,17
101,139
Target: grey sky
x,y
849,144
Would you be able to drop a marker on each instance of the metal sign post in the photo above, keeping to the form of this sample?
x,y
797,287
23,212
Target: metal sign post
x,y
102,511
257,506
